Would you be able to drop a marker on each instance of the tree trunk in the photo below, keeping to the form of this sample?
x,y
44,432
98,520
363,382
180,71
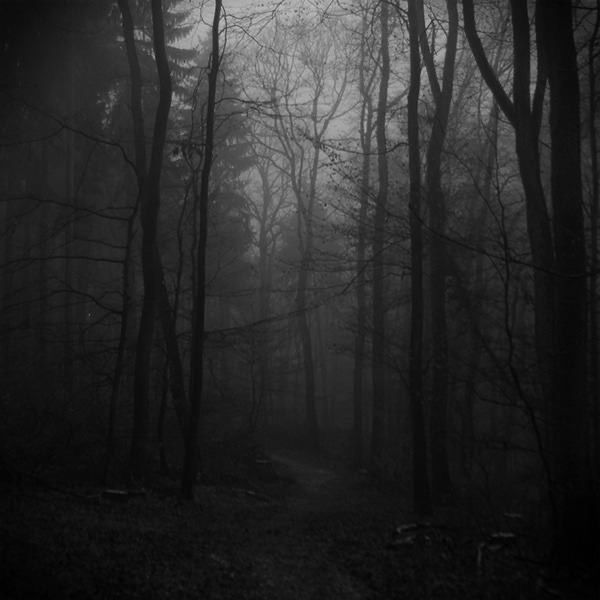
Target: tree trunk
x,y
594,263
121,350
190,465
366,132
440,471
68,241
312,424
149,189
378,356
569,410
175,364
421,490
524,113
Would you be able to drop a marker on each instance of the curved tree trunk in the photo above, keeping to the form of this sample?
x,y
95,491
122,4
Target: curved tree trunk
x,y
525,113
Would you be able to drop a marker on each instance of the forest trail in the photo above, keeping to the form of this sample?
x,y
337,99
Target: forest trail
x,y
301,551
315,484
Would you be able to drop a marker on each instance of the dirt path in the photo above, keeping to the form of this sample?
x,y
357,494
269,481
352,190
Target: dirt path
x,y
313,546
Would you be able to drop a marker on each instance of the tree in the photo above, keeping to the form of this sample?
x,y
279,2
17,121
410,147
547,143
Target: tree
x,y
367,78
556,49
379,219
557,246
149,191
525,115
302,83
421,489
442,96
190,466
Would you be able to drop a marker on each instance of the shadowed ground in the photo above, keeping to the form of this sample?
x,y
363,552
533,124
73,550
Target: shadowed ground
x,y
292,528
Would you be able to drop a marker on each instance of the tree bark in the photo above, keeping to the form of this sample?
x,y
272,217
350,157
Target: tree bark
x,y
190,465
149,186
421,489
524,113
366,133
442,95
121,350
378,355
594,340
569,431
175,363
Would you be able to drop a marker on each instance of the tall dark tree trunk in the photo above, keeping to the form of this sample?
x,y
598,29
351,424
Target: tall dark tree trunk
x,y
264,293
174,360
306,240
421,489
121,351
442,95
366,133
312,423
68,242
594,340
569,409
43,233
190,465
378,355
149,186
475,312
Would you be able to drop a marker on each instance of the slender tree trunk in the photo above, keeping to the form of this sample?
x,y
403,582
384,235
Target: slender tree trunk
x,y
175,363
440,471
366,132
160,425
305,217
570,451
121,349
190,465
489,151
594,263
42,362
264,275
361,317
378,356
69,240
323,367
149,184
421,489
312,423
8,228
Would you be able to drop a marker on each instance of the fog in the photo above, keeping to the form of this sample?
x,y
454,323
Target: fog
x,y
337,243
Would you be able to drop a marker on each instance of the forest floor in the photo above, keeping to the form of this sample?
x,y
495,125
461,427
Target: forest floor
x,y
296,528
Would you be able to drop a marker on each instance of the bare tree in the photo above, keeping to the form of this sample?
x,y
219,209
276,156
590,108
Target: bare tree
x,y
442,97
557,247
421,488
148,177
366,78
379,219
304,83
190,466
